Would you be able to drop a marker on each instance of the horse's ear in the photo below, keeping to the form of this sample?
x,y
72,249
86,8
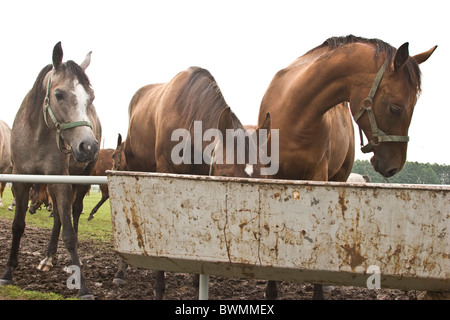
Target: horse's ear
x,y
422,57
86,61
225,121
119,140
57,56
401,56
266,126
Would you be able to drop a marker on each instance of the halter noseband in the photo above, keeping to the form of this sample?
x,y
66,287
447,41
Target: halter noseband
x,y
367,104
59,126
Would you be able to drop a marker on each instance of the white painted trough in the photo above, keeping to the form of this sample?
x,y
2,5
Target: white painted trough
x,y
284,230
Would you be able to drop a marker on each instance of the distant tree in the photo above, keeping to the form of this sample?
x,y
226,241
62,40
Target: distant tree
x,y
412,173
416,173
442,172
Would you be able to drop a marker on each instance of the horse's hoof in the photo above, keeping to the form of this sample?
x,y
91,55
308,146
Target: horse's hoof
x,y
5,282
91,217
45,265
119,281
86,297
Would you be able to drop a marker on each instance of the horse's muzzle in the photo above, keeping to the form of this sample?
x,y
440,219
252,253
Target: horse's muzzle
x,y
386,170
86,150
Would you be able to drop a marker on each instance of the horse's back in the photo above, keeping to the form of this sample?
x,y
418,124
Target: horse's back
x,y
157,110
140,142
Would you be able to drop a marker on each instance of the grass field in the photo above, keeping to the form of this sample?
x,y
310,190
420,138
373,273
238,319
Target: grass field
x,y
98,229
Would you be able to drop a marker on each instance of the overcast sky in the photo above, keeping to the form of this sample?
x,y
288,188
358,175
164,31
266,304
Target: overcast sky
x,y
242,43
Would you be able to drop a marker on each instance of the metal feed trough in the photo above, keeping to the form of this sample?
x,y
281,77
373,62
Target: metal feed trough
x,y
301,231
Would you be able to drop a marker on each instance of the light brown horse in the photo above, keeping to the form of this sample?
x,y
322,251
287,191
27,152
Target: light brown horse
x,y
308,102
157,112
5,154
55,132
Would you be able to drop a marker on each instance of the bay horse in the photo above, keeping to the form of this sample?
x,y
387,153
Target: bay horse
x,y
311,102
5,154
104,162
55,132
156,111
39,196
119,159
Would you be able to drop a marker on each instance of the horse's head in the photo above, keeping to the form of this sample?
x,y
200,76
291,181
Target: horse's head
x,y
237,153
386,113
119,160
67,105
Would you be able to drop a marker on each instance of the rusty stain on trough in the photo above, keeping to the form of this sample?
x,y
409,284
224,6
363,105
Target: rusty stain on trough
x,y
264,229
353,254
342,203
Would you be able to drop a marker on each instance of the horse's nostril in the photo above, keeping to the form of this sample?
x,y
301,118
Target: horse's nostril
x,y
87,148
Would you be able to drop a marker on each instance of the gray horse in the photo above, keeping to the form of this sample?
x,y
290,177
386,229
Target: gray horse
x,y
55,132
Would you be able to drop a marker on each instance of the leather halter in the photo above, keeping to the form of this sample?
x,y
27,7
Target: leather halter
x,y
59,126
378,136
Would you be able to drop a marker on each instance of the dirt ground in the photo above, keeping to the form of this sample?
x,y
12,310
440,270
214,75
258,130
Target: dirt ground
x,y
99,265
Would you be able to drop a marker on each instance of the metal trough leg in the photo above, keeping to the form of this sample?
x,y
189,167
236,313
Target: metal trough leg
x,y
203,287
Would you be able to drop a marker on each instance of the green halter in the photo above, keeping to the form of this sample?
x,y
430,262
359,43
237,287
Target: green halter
x,y
367,104
60,126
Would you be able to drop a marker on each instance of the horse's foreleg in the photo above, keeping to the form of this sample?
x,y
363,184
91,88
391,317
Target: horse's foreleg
x,y
46,264
12,205
2,189
160,285
62,198
18,227
77,207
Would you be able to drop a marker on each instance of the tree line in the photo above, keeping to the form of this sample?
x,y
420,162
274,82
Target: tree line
x,y
412,173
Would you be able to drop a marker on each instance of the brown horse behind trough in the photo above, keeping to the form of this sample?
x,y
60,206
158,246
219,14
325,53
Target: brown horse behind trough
x,y
104,162
55,132
309,100
191,104
39,196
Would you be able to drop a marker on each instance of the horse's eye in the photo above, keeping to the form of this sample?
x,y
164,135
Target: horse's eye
x,y
59,95
395,109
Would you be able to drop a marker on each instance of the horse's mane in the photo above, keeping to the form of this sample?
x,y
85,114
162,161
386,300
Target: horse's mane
x,y
411,69
200,98
37,95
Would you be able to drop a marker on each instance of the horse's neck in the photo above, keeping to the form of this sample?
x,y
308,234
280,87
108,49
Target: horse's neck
x,y
331,78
